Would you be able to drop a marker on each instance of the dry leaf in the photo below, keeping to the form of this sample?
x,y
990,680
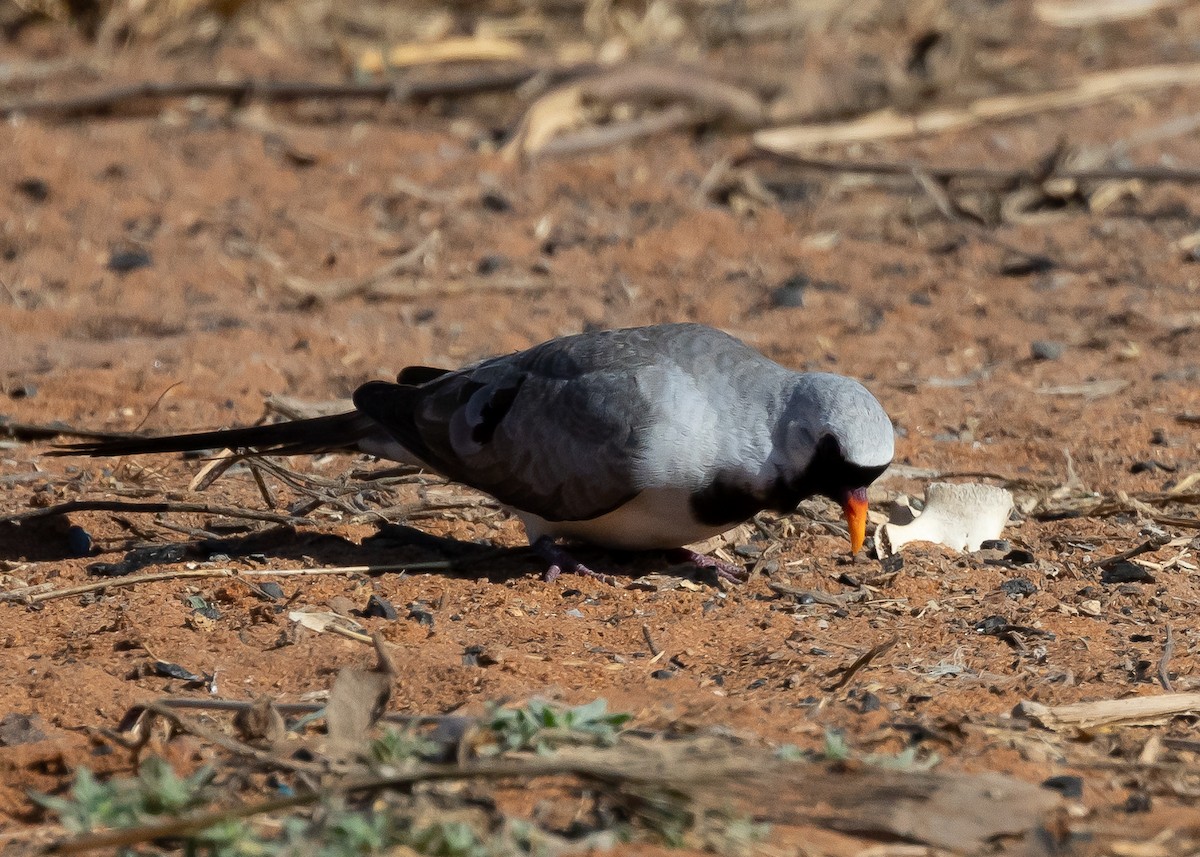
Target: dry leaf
x,y
357,699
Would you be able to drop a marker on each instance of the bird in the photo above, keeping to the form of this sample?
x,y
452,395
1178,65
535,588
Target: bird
x,y
641,438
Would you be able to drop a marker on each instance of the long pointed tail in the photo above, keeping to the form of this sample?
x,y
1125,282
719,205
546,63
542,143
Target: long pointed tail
x,y
319,434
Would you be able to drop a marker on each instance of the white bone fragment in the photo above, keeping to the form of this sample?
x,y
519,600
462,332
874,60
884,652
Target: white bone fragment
x,y
957,516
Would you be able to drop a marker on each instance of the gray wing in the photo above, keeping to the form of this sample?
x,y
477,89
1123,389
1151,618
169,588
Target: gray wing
x,y
554,430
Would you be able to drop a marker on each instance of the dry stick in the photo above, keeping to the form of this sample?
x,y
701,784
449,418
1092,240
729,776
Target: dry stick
x,y
972,223
224,741
99,103
284,708
1148,546
997,175
817,595
888,124
170,506
616,133
866,658
24,594
1164,676
655,651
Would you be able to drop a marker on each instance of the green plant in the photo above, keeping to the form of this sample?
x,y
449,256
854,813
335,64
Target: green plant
x,y
838,749
399,746
157,790
539,725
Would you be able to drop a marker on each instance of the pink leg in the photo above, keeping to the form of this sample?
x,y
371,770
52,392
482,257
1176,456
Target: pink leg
x,y
725,570
559,561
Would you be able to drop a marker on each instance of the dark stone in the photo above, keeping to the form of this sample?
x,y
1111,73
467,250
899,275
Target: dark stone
x,y
490,264
124,261
22,391
33,189
493,201
1018,587
1045,349
992,625
1137,802
1067,785
272,590
869,702
420,615
1126,572
169,670
1023,265
379,608
663,674
1149,466
790,293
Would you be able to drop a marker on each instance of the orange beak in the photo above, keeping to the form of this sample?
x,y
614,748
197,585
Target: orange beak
x,y
855,509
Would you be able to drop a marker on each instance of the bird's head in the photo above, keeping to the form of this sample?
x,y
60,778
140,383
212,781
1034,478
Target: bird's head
x,y
839,440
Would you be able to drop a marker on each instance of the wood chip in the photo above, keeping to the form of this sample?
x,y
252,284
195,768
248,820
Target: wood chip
x,y
1135,711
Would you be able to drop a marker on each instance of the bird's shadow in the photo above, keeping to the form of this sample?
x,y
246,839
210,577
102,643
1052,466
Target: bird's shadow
x,y
393,548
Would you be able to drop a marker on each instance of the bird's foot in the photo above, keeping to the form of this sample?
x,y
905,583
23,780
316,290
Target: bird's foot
x,y
725,570
559,560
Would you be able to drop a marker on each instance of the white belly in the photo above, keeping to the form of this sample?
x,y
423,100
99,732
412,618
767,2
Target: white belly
x,y
656,518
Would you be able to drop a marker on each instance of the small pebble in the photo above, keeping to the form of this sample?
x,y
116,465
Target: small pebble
x,y
1021,265
1045,349
575,613
1137,802
493,201
1126,572
379,608
22,391
1067,785
419,613
790,293
1020,556
869,702
1017,587
272,590
490,264
79,541
169,670
1158,437
1149,466
663,674
124,261
33,189
991,625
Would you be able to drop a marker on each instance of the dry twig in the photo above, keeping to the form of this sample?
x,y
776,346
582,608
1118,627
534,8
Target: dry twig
x,y
149,508
279,91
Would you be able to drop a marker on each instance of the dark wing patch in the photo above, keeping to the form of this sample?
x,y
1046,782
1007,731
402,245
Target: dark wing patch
x,y
492,412
561,448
